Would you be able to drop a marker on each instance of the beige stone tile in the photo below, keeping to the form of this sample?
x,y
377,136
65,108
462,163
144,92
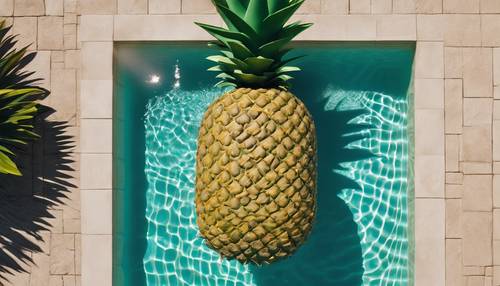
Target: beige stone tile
x,y
70,6
164,7
490,25
476,168
40,271
62,254
453,218
430,27
488,271
197,7
310,7
359,7
78,255
57,56
96,260
496,167
478,75
97,212
136,28
54,7
338,7
476,144
496,252
477,193
496,191
56,221
429,93
69,280
454,191
381,7
461,6
430,242
454,178
403,6
17,278
475,281
89,7
496,92
70,18
397,27
452,153
70,32
63,94
97,61
72,59
96,28
7,8
453,103
452,62
96,99
361,27
496,109
96,135
496,66
429,176
26,28
96,171
473,271
429,60
453,262
325,27
477,233
29,7
496,224
490,6
50,33
133,6
496,275
56,280
462,30
477,111
429,127
429,6
496,140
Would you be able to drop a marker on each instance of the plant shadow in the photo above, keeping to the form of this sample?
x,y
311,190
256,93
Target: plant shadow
x,y
331,254
27,203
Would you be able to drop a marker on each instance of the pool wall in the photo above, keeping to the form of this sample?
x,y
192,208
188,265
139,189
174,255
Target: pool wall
x,y
98,33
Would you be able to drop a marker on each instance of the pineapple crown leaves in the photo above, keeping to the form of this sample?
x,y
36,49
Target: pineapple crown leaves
x,y
253,45
18,100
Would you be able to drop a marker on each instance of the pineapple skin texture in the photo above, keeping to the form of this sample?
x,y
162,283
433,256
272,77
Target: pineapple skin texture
x,y
256,175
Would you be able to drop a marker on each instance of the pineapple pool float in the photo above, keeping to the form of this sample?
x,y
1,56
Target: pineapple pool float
x,y
256,157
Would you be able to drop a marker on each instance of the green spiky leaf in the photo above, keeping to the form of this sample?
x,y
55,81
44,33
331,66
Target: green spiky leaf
x,y
253,47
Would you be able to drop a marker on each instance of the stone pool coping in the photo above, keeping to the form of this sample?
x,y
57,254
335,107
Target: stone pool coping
x,y
98,34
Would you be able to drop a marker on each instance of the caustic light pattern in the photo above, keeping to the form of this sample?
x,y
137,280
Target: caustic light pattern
x,y
177,255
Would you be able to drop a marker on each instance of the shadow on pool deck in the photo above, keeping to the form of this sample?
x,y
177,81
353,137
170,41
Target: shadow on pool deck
x,y
27,203
332,253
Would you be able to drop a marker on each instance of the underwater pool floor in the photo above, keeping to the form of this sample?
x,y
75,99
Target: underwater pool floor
x,y
177,255
359,95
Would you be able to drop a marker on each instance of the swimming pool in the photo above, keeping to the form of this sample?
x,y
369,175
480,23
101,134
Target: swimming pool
x,y
360,97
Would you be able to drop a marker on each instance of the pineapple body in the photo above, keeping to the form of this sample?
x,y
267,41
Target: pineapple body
x,y
256,175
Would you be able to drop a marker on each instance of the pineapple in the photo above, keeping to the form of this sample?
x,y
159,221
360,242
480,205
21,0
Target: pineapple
x,y
256,157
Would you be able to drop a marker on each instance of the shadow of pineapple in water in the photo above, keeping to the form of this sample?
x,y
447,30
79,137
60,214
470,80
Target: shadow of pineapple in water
x,y
332,253
27,203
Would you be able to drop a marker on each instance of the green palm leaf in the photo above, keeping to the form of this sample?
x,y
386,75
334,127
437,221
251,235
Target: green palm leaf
x,y
18,101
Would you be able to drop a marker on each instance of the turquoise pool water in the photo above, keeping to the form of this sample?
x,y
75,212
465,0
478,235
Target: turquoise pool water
x,y
358,96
